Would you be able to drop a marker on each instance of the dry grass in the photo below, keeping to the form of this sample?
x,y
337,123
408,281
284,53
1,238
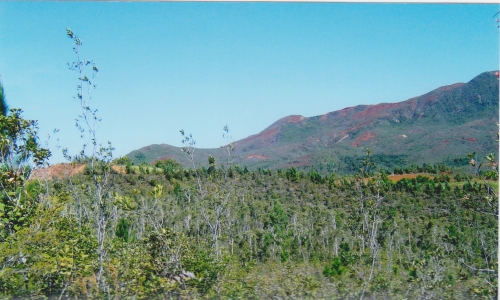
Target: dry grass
x,y
396,178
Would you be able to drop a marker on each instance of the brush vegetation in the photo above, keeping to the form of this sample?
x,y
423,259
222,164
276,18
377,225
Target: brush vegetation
x,y
233,233
227,231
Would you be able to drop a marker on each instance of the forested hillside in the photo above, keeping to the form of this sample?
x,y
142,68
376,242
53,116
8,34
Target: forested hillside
x,y
432,128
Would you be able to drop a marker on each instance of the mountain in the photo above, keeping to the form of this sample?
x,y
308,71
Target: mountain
x,y
444,124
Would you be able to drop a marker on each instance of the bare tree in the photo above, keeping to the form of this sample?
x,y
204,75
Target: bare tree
x,y
100,210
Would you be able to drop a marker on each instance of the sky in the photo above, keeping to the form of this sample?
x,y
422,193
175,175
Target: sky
x,y
197,66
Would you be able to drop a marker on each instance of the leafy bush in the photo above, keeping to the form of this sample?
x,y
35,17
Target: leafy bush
x,y
335,269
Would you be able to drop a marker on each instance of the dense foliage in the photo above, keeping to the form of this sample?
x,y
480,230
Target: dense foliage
x,y
258,234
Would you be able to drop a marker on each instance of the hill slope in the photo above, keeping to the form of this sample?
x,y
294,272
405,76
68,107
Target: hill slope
x,y
448,122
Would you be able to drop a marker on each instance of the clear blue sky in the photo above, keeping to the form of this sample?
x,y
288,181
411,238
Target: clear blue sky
x,y
200,66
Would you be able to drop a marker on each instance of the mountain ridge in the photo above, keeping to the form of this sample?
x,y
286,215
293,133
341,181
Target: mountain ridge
x,y
459,116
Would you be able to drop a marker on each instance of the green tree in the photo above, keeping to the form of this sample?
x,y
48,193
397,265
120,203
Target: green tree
x,y
335,268
49,257
3,103
292,174
170,167
20,154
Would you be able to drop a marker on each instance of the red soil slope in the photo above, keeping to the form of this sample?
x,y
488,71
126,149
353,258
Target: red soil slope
x,y
365,137
59,170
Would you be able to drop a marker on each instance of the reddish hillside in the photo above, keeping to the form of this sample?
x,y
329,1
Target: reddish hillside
x,y
462,114
365,137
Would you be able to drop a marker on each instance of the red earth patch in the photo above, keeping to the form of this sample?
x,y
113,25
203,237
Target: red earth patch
x,y
360,125
264,136
365,137
294,119
59,170
471,140
65,170
374,111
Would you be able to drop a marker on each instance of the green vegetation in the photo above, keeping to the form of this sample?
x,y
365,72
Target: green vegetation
x,y
224,231
440,127
193,234
3,102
